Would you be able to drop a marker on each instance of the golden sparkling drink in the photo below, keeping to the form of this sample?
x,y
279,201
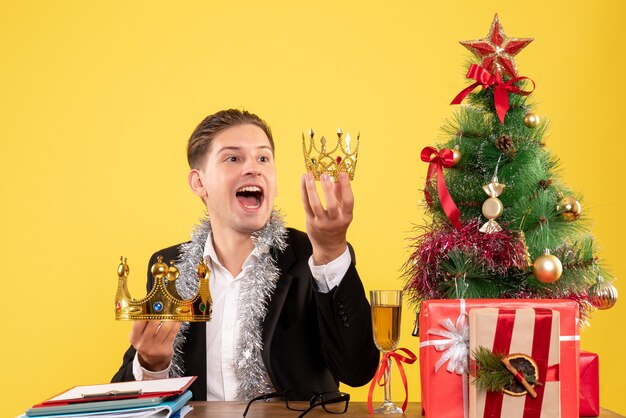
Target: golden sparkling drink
x,y
386,326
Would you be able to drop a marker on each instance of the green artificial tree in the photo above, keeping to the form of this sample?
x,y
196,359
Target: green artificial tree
x,y
503,223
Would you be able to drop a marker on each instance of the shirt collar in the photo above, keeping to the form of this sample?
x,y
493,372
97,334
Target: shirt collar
x,y
210,255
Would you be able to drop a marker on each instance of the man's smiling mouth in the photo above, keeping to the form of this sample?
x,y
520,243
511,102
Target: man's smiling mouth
x,y
250,197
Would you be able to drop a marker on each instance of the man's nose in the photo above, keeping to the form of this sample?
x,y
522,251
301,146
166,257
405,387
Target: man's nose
x,y
252,168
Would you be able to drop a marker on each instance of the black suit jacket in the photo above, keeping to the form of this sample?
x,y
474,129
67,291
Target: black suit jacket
x,y
311,340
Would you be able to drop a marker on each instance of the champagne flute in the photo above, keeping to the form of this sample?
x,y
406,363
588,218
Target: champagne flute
x,y
386,314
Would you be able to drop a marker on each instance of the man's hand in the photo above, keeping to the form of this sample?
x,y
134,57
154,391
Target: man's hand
x,y
327,228
154,342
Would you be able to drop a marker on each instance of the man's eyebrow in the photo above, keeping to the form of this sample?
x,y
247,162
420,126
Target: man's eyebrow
x,y
231,148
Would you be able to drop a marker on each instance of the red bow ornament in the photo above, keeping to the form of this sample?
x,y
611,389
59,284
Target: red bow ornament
x,y
437,160
501,88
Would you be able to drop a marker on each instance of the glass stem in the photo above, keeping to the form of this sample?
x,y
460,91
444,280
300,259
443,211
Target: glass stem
x,y
388,382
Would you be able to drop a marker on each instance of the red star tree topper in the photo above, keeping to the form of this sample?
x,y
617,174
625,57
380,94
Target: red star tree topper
x,y
496,51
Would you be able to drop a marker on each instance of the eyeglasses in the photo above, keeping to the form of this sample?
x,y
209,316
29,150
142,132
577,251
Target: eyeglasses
x,y
302,400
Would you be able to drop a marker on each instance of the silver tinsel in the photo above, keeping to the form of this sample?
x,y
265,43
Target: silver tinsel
x,y
257,287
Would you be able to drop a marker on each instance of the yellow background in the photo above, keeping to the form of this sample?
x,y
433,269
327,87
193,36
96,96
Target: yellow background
x,y
99,98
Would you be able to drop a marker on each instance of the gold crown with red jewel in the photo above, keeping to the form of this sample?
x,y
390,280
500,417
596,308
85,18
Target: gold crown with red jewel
x,y
163,302
332,160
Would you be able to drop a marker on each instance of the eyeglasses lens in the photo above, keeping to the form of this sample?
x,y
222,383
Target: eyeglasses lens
x,y
299,400
334,402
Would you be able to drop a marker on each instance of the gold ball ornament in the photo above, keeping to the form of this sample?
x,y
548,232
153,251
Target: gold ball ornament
x,y
570,208
603,295
531,120
456,155
547,268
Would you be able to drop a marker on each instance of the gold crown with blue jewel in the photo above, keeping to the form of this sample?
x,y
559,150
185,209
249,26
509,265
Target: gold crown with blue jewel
x,y
330,159
163,302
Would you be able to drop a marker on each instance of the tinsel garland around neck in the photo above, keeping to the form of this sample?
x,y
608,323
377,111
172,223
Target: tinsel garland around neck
x,y
257,287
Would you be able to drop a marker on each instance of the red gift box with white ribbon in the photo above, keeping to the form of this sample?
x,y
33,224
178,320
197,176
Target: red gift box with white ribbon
x,y
444,339
532,332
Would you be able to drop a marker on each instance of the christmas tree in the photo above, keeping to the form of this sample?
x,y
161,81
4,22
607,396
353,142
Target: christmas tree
x,y
503,224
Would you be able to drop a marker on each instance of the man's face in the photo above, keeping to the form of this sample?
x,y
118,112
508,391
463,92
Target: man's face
x,y
238,179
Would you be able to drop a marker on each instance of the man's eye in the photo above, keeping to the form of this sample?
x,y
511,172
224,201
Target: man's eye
x,y
231,159
264,159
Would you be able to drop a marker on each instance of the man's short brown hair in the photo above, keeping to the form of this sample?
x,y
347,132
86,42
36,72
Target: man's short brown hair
x,y
200,141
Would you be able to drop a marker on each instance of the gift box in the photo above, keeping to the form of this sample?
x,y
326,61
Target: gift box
x,y
589,384
531,337
444,335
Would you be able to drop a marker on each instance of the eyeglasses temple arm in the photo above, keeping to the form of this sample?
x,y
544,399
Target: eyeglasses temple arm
x,y
258,398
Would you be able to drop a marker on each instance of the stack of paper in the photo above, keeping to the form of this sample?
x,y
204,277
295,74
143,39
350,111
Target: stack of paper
x,y
163,398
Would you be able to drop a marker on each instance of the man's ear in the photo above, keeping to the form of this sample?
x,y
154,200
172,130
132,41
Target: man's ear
x,y
195,182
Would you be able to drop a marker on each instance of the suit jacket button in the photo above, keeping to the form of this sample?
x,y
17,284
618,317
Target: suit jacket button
x,y
346,324
340,305
341,312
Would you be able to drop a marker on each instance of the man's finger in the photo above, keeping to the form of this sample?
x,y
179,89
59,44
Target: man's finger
x,y
163,333
314,200
305,196
137,331
347,196
171,335
328,187
337,189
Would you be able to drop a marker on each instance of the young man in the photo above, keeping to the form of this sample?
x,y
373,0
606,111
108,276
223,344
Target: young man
x,y
289,309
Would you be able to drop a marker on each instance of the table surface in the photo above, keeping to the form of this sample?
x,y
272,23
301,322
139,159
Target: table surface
x,y
277,410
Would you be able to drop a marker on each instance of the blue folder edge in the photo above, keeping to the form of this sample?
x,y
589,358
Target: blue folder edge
x,y
172,405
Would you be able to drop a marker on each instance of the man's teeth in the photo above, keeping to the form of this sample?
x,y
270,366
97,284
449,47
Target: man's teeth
x,y
249,189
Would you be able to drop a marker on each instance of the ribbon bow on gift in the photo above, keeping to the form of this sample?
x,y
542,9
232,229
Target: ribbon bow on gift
x,y
383,371
500,89
455,344
437,160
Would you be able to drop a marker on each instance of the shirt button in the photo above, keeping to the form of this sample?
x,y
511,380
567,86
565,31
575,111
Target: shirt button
x,y
331,277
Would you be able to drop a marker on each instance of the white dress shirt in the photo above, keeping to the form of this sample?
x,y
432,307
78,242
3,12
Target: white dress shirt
x,y
223,331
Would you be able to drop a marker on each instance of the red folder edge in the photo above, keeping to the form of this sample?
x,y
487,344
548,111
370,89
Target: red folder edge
x,y
111,398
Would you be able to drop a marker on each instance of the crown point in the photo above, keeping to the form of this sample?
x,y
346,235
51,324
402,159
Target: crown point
x,y
172,272
202,269
311,133
122,269
159,269
339,133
